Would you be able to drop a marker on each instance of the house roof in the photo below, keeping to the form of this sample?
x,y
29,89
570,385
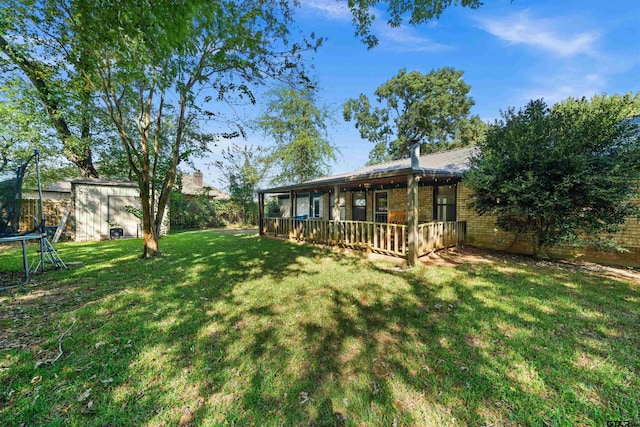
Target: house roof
x,y
446,164
190,187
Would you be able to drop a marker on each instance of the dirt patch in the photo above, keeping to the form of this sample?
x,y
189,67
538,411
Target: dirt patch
x,y
236,230
26,310
470,255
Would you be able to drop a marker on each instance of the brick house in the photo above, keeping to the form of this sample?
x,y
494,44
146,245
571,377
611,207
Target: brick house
x,y
408,208
193,185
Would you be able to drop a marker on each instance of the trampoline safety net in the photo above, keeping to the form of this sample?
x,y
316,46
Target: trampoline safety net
x,y
11,198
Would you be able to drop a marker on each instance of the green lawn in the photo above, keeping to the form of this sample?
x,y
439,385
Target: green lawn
x,y
240,330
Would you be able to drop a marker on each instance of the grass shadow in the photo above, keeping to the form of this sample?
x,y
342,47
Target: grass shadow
x,y
246,330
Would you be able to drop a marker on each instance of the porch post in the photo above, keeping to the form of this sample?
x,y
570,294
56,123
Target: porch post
x,y
260,213
336,205
291,204
412,219
412,207
336,213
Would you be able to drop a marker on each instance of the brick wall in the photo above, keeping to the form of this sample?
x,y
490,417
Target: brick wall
x,y
397,199
398,202
425,203
483,232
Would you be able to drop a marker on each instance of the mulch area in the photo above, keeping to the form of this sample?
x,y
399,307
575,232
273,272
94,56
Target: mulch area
x,y
468,254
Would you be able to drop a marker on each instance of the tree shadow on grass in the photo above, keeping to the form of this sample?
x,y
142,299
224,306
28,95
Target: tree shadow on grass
x,y
251,331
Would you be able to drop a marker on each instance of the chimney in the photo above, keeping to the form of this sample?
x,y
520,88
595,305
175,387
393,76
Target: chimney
x,y
197,179
415,155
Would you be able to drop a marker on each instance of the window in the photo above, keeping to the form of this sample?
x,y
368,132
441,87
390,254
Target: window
x,y
382,206
359,212
315,207
444,203
302,205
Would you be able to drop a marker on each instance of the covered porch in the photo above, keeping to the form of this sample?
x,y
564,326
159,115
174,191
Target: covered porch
x,y
405,208
384,238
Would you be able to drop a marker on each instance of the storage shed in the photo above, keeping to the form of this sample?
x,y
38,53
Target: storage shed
x,y
100,206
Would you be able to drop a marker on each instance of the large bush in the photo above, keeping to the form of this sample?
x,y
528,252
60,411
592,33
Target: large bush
x,y
565,174
194,213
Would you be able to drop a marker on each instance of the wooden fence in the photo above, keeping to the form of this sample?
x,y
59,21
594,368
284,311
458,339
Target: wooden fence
x,y
53,212
439,235
372,236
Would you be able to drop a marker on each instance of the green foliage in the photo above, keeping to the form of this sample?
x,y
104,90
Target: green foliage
x,y
233,213
470,131
298,125
242,170
155,76
430,109
194,213
23,128
415,12
44,43
165,73
273,208
564,174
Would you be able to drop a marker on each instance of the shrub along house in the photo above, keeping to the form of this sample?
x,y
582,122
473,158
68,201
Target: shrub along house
x,y
408,208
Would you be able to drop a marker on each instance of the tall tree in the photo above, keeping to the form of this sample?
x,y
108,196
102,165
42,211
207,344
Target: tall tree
x,y
298,126
41,43
148,65
242,169
564,174
470,131
415,108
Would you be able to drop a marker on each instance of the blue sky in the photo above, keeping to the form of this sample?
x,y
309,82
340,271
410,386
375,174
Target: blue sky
x,y
510,52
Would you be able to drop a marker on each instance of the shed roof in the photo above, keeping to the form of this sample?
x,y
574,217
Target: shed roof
x,y
447,164
104,182
64,186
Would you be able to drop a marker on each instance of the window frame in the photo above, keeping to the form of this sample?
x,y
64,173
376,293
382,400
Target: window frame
x,y
450,205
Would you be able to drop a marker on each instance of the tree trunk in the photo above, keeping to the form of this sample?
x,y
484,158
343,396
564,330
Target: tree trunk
x,y
149,237
150,244
539,250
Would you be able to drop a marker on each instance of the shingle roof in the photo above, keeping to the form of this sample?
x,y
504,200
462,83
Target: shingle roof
x,y
452,162
449,163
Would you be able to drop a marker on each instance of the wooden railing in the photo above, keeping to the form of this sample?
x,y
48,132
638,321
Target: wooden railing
x,y
374,236
439,235
371,236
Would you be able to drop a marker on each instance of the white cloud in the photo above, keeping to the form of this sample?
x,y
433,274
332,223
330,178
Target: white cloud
x,y
566,84
546,34
406,39
332,9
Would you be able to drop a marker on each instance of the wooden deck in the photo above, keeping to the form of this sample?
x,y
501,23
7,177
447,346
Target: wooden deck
x,y
378,237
